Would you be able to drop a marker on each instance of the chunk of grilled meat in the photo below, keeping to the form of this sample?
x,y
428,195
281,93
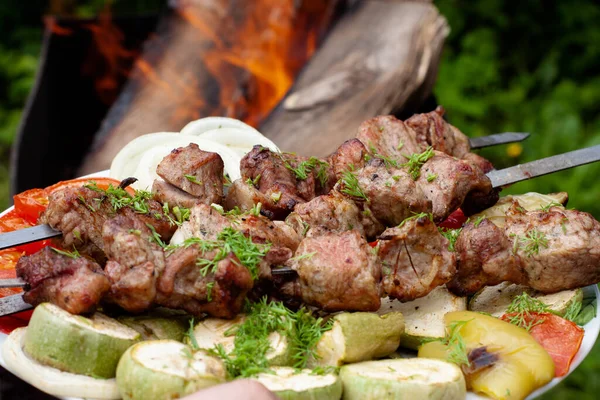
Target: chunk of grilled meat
x,y
548,251
332,213
415,259
75,284
394,138
195,171
164,192
336,272
245,196
284,180
351,155
270,176
450,183
79,213
389,136
135,262
392,193
206,223
219,294
485,258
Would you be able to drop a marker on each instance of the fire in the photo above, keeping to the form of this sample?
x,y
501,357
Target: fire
x,y
254,63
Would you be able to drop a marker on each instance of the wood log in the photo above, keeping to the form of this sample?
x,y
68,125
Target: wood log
x,y
197,64
380,58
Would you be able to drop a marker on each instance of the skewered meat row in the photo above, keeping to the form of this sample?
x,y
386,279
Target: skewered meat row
x,y
281,181
548,251
341,271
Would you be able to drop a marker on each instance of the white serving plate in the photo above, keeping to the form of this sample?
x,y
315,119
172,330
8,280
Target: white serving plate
x,y
592,329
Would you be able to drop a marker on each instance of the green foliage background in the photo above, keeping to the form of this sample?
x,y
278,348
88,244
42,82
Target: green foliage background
x,y
508,66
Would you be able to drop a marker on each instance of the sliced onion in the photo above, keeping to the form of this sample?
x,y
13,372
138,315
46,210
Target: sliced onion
x,y
141,156
202,125
239,140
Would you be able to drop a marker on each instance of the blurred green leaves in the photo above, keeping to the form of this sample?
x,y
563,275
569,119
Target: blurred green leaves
x,y
527,67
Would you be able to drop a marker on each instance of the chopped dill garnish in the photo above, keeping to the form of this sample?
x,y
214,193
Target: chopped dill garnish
x,y
226,180
209,288
479,220
275,196
255,210
251,344
120,198
417,216
306,167
531,242
155,237
573,310
253,182
192,179
457,349
303,256
431,177
305,228
135,232
181,214
190,335
77,235
451,235
351,186
548,206
388,161
416,161
70,254
82,201
228,241
521,307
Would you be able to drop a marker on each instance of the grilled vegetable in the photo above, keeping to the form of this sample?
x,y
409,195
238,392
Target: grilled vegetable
x,y
155,327
424,317
411,378
499,359
290,384
52,380
529,201
214,331
359,336
166,369
88,346
495,300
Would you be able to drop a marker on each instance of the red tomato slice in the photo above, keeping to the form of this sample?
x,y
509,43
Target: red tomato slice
x,y
561,338
454,220
11,322
31,203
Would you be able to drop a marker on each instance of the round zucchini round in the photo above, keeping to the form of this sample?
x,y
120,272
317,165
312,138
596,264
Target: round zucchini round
x,y
166,369
410,378
52,380
289,384
72,343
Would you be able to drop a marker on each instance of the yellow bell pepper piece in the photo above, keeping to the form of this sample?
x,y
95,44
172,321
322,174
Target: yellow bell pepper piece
x,y
522,365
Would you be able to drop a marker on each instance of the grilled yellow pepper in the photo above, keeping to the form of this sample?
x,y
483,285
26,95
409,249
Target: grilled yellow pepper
x,y
499,360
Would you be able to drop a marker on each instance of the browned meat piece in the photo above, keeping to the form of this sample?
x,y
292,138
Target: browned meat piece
x,y
485,257
79,214
548,251
432,130
559,249
393,194
74,284
389,137
350,155
195,171
271,177
164,192
207,223
332,213
449,183
337,272
219,294
135,262
415,259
